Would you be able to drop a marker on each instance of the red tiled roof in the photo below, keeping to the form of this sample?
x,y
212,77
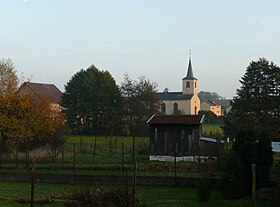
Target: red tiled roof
x,y
175,119
48,91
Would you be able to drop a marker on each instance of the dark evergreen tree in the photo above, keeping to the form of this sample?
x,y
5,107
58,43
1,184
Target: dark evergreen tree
x,y
91,101
258,100
252,122
249,147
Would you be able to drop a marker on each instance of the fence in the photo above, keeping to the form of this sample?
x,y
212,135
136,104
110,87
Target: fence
x,y
95,156
88,161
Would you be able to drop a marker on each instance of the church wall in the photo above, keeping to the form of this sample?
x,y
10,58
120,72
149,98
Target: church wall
x,y
195,102
183,106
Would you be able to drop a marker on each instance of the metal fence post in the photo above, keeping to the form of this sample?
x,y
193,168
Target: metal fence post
x,y
94,150
254,185
133,148
62,155
74,159
32,185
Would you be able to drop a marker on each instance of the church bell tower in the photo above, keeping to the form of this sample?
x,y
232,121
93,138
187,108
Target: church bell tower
x,y
189,83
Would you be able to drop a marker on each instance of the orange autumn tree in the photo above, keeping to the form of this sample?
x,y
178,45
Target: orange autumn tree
x,y
24,121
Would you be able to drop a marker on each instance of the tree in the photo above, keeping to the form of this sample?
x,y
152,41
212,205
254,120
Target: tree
x,y
257,103
253,122
91,101
24,121
8,78
249,147
211,96
140,103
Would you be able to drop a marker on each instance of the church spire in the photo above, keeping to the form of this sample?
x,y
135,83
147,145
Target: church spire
x,y
190,70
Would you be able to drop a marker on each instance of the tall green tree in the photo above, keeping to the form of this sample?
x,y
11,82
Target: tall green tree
x,y
91,101
253,122
140,103
257,103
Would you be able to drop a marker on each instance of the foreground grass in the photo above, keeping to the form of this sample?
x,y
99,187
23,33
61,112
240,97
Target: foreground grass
x,y
153,196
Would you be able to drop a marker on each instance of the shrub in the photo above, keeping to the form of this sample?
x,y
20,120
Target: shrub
x,y
142,149
119,197
203,191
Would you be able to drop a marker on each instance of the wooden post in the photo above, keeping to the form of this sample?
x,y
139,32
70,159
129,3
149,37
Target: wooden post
x,y
123,164
133,149
81,144
32,185
27,155
254,196
175,160
134,185
74,159
94,150
62,155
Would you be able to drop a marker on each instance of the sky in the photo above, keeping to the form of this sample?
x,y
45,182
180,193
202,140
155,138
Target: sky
x,y
51,40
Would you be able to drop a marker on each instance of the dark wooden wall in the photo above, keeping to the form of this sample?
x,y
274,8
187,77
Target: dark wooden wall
x,y
165,138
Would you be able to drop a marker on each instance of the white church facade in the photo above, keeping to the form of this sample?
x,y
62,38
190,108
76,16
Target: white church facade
x,y
185,102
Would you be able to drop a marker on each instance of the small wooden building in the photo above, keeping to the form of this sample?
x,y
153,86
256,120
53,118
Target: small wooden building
x,y
170,134
211,147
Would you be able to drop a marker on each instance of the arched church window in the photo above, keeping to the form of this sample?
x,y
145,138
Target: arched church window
x,y
188,84
175,107
163,108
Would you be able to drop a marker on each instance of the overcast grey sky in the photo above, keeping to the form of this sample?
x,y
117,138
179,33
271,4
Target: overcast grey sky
x,y
51,40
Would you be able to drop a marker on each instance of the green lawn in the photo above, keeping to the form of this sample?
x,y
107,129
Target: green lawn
x,y
153,196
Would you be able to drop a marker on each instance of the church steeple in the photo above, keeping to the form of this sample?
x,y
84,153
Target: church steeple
x,y
190,70
189,83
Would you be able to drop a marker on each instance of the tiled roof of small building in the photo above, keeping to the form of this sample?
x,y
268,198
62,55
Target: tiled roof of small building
x,y
173,96
48,91
176,119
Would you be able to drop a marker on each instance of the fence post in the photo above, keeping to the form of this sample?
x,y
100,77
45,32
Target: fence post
x,y
253,185
94,150
62,155
32,185
74,159
27,155
81,143
122,164
175,160
134,185
133,148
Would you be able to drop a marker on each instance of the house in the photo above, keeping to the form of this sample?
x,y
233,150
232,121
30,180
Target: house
x,y
226,105
184,102
43,92
174,135
213,106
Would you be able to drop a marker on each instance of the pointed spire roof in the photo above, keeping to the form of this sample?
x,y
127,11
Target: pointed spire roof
x,y
190,71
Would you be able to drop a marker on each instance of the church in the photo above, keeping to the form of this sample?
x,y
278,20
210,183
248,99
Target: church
x,y
185,102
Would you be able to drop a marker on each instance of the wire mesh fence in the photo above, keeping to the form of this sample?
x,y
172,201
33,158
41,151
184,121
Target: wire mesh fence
x,y
94,156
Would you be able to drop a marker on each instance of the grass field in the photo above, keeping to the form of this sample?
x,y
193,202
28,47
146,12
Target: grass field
x,y
153,196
